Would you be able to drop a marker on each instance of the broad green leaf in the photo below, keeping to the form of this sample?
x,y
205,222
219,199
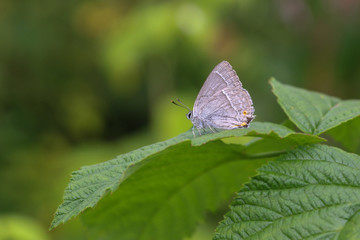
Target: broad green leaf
x,y
348,135
312,192
170,193
314,112
91,183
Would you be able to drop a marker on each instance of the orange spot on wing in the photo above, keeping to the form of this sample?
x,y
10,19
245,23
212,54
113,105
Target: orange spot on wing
x,y
240,125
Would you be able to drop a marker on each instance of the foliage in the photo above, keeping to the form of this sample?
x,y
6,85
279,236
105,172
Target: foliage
x,y
308,193
83,81
308,190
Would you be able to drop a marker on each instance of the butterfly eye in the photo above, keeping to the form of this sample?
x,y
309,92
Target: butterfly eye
x,y
188,115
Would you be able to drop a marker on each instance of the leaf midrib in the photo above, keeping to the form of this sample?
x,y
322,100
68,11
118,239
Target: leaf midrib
x,y
319,160
299,187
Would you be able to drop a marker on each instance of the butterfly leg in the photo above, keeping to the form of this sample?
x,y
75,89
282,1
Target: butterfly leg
x,y
199,131
211,128
193,131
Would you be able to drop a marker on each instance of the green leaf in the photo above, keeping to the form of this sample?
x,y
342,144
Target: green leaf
x,y
170,193
90,184
312,192
348,135
314,112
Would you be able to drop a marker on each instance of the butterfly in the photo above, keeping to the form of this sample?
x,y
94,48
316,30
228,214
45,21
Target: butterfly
x,y
222,102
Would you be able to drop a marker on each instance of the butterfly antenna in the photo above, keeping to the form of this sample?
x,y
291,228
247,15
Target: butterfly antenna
x,y
181,104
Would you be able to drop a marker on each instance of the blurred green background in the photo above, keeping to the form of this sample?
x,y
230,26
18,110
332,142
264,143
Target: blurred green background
x,y
84,81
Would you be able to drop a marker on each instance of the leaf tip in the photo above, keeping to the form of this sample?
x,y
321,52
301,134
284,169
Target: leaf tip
x,y
272,80
53,225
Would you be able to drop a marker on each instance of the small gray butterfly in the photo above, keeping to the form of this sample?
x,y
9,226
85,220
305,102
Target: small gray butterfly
x,y
222,102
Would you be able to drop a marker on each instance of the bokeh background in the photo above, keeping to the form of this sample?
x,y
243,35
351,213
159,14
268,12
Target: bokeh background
x,y
83,81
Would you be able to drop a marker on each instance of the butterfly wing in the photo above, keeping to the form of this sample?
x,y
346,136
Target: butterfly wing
x,y
222,101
